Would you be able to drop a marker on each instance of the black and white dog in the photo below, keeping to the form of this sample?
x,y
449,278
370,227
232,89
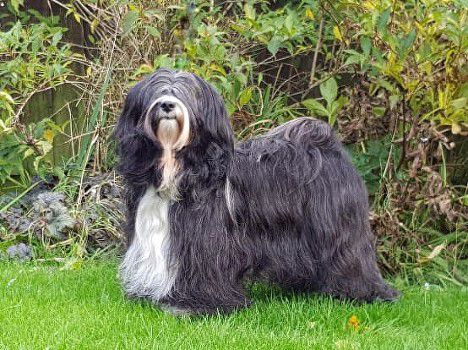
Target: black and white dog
x,y
206,214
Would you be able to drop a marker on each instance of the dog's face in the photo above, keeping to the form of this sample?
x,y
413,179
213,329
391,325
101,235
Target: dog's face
x,y
169,113
172,108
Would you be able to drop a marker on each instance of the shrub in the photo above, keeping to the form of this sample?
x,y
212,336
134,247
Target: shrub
x,y
389,75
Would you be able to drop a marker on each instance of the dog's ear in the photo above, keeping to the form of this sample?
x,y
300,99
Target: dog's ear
x,y
130,115
138,154
215,119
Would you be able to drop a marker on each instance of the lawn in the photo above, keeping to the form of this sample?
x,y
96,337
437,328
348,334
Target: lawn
x,y
46,307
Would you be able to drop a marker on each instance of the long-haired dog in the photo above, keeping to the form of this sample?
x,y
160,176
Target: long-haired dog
x,y
206,214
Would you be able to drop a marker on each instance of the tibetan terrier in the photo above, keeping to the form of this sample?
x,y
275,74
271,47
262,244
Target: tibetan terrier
x,y
207,214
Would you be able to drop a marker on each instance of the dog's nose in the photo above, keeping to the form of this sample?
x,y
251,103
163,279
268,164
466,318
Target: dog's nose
x,y
167,106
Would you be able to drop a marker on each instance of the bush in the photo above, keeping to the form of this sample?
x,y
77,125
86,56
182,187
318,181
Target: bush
x,y
389,75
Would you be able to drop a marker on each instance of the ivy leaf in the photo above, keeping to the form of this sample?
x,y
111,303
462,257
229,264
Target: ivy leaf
x,y
274,45
329,90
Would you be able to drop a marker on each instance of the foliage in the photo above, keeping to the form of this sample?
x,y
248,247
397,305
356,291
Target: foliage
x,y
33,142
329,91
33,60
390,76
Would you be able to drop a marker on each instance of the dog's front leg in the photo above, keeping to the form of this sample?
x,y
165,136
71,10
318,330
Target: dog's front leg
x,y
211,261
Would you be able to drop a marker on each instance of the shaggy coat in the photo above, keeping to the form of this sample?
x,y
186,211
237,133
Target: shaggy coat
x,y
206,214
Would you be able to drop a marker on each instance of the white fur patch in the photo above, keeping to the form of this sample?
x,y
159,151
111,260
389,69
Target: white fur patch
x,y
145,270
173,135
229,200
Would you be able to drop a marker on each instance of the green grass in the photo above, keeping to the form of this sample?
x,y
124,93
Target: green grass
x,y
45,307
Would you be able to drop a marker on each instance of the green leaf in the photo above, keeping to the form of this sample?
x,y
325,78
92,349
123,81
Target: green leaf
x,y
459,103
353,59
153,31
366,45
274,45
378,111
407,41
336,106
7,97
329,90
16,4
394,99
289,23
382,21
129,21
56,38
249,11
316,107
342,101
245,96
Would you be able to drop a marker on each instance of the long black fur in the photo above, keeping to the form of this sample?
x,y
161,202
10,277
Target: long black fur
x,y
296,211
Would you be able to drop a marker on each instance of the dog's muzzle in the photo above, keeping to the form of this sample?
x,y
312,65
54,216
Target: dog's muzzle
x,y
167,121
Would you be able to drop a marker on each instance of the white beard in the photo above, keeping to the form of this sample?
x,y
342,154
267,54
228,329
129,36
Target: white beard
x,y
145,270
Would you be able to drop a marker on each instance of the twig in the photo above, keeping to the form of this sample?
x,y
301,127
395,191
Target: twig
x,y
317,48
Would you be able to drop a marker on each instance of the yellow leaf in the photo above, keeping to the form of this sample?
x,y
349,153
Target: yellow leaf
x,y
456,128
94,25
337,33
7,97
436,251
370,5
354,322
77,17
309,14
217,68
49,135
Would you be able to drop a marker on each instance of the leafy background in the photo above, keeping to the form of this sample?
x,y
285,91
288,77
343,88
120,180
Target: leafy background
x,y
390,76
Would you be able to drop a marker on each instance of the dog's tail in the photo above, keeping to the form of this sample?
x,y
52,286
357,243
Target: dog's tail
x,y
307,131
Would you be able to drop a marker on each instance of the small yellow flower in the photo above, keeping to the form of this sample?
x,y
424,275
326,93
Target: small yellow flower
x,y
309,14
354,322
49,135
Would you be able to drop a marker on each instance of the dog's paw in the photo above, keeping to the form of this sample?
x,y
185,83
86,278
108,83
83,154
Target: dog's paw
x,y
388,295
177,311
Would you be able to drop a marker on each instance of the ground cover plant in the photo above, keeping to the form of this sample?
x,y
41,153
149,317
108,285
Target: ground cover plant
x,y
46,306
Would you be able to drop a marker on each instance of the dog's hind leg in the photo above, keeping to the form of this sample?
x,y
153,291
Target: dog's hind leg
x,y
352,273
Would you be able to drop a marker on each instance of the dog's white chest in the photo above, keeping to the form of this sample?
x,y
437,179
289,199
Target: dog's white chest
x,y
145,270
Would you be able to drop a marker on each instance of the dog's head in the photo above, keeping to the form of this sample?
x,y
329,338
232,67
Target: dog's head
x,y
171,119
